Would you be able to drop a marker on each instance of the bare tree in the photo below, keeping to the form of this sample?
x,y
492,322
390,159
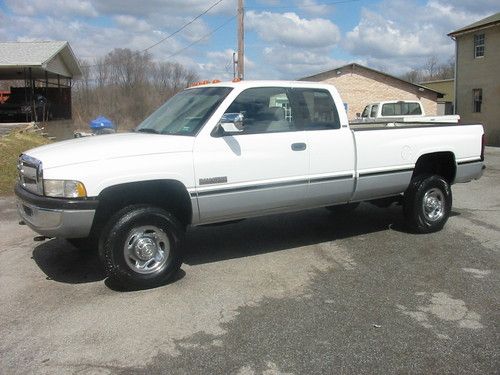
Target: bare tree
x,y
126,86
431,67
412,76
431,70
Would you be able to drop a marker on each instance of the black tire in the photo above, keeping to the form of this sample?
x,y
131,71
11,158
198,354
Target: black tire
x,y
160,233
343,208
427,204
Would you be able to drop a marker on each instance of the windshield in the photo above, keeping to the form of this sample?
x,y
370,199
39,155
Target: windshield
x,y
186,112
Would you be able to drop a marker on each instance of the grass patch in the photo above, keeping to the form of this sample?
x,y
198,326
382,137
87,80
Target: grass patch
x,y
10,147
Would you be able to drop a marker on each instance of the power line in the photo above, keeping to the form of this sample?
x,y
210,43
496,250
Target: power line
x,y
173,33
222,25
184,26
203,37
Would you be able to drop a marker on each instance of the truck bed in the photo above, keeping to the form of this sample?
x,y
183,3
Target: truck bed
x,y
386,154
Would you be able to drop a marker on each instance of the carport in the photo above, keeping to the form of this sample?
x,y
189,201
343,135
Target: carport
x,y
41,75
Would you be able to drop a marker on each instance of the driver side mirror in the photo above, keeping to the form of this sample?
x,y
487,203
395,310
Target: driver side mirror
x,y
231,123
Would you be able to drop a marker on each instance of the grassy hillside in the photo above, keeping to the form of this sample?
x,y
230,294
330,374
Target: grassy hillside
x,y
10,147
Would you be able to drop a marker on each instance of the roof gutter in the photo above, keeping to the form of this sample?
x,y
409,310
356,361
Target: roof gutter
x,y
454,34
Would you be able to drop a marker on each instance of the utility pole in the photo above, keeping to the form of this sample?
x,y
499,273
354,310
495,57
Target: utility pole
x,y
241,40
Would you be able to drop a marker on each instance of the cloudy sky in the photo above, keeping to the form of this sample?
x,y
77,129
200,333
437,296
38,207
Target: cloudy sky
x,y
285,39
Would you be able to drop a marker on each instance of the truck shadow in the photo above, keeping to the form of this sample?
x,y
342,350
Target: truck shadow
x,y
286,231
61,262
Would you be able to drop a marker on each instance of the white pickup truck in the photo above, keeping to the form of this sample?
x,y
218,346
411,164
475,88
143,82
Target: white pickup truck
x,y
400,111
229,151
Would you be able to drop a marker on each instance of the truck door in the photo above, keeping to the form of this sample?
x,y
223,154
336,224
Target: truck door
x,y
331,147
262,169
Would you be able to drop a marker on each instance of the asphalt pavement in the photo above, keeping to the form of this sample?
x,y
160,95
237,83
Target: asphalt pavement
x,y
302,293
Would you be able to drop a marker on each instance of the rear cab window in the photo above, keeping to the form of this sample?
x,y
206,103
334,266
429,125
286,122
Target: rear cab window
x,y
401,109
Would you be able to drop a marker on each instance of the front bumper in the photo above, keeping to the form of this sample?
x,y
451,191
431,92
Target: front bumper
x,y
56,217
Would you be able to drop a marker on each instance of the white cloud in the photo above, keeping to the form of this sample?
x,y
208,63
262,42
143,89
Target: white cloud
x,y
291,30
476,7
132,23
219,65
393,35
400,35
83,8
269,2
289,63
378,37
88,41
312,7
294,46
168,7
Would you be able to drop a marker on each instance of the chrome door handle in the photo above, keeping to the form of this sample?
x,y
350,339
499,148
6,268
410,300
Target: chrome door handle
x,y
299,146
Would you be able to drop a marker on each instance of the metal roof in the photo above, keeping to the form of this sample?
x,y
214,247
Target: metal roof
x,y
492,20
54,58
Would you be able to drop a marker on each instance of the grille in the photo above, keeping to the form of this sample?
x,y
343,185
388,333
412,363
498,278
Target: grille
x,y
30,174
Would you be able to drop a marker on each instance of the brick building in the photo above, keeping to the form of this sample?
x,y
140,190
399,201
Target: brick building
x,y
359,85
477,75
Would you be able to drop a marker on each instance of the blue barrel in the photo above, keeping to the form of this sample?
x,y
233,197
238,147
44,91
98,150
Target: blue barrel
x,y
100,123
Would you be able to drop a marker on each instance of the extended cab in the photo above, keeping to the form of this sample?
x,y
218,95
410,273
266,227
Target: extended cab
x,y
229,151
400,111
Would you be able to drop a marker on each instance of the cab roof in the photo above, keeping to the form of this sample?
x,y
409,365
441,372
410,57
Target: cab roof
x,y
262,83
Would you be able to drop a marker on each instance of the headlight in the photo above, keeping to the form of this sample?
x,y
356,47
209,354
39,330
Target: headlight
x,y
64,189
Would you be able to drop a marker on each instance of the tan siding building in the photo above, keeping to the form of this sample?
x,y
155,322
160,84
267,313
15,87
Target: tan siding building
x,y
477,89
447,88
359,86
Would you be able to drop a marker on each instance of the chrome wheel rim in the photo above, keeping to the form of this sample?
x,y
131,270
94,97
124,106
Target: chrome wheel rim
x,y
147,249
433,204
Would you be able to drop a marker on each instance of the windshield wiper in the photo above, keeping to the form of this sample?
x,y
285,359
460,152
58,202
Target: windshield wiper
x,y
148,130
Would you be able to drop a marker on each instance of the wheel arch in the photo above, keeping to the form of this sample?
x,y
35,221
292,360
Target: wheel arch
x,y
440,163
170,195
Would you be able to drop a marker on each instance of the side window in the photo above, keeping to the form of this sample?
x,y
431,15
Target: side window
x,y
365,111
477,100
373,112
478,45
314,109
264,110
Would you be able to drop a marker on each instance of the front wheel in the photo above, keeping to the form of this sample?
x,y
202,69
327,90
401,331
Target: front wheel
x,y
141,247
427,204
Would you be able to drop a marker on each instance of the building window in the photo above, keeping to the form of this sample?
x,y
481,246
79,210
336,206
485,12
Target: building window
x,y
478,45
477,97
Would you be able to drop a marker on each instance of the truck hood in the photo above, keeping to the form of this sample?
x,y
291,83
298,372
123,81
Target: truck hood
x,y
112,146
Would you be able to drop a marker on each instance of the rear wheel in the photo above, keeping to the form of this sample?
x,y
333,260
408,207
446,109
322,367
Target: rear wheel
x,y
141,247
427,203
